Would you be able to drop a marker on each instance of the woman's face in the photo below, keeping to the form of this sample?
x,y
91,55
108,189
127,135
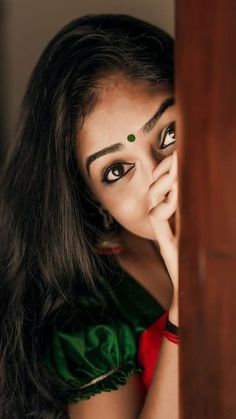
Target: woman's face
x,y
119,172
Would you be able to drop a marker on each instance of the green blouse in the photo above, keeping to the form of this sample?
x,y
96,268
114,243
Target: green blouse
x,y
95,349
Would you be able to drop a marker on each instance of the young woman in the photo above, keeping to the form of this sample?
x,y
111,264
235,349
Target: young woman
x,y
88,243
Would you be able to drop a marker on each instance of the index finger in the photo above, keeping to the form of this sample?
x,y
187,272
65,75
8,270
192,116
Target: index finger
x,y
173,169
162,167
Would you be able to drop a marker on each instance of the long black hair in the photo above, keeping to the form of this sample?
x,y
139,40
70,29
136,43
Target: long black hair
x,y
48,221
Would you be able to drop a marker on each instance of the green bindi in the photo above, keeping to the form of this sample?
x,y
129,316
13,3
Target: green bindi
x,y
131,138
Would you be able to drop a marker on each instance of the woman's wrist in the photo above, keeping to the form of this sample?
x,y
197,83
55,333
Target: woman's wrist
x,y
171,328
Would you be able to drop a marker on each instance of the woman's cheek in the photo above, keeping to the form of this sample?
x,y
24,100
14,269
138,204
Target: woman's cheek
x,y
128,212
125,210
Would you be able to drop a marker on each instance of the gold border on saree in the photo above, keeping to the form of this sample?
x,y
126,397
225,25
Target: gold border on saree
x,y
101,377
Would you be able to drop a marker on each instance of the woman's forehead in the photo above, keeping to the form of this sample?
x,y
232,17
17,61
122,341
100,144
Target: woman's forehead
x,y
123,105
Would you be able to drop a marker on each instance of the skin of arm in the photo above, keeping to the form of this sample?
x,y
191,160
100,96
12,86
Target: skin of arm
x,y
162,401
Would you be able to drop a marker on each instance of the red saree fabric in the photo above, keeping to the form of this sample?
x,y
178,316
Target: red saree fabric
x,y
149,345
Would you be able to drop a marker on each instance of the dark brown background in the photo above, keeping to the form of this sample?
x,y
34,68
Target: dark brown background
x,y
29,25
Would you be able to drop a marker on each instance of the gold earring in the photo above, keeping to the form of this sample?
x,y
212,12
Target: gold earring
x,y
110,243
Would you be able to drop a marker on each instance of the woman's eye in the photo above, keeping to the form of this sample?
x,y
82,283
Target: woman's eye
x,y
116,171
167,136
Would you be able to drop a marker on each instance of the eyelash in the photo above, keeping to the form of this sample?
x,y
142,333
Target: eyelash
x,y
166,131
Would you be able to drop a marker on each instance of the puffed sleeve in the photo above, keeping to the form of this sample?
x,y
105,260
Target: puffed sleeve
x,y
95,348
97,354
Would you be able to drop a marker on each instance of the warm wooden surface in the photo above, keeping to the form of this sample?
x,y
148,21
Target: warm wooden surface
x,y
206,136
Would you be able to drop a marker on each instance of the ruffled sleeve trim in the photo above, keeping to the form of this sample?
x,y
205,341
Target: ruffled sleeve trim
x,y
110,381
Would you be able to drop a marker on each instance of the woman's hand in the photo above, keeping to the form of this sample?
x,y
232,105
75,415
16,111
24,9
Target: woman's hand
x,y
163,198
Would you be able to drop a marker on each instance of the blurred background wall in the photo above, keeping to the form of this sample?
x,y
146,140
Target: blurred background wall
x,y
28,25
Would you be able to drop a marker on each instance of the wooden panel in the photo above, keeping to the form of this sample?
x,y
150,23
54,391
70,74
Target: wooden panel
x,y
206,135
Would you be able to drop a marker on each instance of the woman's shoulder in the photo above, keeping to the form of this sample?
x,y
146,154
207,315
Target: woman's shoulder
x,y
94,347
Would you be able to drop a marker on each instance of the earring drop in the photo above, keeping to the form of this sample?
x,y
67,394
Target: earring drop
x,y
131,138
109,244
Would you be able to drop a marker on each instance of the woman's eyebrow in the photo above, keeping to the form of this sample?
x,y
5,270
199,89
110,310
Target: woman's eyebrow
x,y
148,126
162,108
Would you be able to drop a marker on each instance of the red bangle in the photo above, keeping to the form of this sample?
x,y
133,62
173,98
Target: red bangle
x,y
170,331
170,336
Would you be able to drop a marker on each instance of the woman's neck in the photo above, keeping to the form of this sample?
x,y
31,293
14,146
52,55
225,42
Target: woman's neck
x,y
132,242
